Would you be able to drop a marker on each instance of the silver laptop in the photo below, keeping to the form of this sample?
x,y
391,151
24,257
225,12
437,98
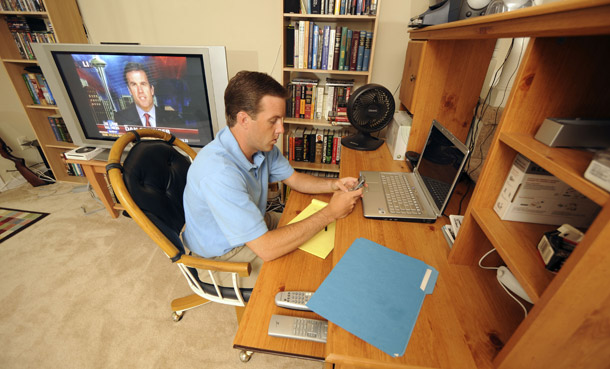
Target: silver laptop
x,y
420,196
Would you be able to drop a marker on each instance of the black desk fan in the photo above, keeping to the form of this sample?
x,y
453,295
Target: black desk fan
x,y
369,109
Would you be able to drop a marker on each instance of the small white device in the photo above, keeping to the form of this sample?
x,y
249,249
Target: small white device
x,y
298,328
83,153
598,170
296,300
397,134
508,280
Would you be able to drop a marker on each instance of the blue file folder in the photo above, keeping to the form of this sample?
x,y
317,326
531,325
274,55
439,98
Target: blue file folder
x,y
376,294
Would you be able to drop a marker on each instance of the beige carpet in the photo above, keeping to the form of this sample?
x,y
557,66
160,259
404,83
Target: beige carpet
x,y
82,290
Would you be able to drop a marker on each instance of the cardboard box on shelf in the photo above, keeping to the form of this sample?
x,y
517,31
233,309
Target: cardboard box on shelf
x,y
531,194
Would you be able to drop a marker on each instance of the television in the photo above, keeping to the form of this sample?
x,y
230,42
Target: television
x,y
103,91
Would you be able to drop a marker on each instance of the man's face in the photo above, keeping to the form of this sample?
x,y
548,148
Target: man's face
x,y
268,124
141,90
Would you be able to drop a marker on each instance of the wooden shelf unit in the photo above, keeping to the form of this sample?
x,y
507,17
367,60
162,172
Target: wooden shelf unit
x,y
355,22
563,73
66,21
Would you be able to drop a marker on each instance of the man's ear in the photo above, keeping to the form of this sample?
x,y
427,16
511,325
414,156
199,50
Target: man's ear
x,y
243,119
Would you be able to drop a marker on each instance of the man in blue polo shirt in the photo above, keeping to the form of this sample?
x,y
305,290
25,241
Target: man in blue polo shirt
x,y
226,192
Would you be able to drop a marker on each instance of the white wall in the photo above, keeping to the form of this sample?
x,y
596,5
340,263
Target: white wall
x,y
250,30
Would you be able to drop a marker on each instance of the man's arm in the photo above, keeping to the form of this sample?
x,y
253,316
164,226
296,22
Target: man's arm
x,y
306,183
283,240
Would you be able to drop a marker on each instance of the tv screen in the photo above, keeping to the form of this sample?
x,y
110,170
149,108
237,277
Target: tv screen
x,y
109,90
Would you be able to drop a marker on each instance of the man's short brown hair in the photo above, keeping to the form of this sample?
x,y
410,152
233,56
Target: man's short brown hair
x,y
245,92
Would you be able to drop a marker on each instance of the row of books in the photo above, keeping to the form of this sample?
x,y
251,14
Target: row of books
x,y
311,101
26,30
315,145
38,88
331,7
22,5
73,169
310,46
58,126
316,173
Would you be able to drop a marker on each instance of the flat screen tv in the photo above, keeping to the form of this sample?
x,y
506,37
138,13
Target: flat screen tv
x,y
103,91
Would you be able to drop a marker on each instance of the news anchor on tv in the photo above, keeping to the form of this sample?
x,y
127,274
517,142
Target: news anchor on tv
x,y
143,111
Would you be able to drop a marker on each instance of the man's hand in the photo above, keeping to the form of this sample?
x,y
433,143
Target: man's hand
x,y
342,203
344,184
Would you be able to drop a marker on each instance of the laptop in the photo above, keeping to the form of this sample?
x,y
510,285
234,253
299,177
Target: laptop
x,y
420,196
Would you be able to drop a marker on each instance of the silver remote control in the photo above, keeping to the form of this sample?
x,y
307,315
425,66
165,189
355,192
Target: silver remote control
x,y
295,300
298,328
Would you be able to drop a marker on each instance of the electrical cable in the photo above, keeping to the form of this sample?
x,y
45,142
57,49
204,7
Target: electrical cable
x,y
276,58
500,282
476,122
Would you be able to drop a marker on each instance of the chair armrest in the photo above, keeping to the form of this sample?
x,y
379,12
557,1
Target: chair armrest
x,y
242,269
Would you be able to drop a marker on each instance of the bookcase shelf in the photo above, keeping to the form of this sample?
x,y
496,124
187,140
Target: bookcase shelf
x,y
65,20
353,22
563,73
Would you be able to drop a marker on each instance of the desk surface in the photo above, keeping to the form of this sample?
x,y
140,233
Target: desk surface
x,y
450,328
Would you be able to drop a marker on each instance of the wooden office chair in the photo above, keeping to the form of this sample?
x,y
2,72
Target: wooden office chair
x,y
150,185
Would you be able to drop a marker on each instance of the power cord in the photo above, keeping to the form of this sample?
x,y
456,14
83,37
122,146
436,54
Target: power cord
x,y
499,281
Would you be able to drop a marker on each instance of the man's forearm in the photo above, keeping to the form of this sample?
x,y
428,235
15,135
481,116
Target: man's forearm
x,y
310,184
283,240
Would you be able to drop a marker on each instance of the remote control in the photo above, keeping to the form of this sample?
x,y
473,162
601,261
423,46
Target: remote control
x,y
298,328
295,300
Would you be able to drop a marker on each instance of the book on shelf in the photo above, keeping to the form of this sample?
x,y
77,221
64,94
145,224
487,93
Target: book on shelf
x,y
37,87
367,51
22,5
342,48
354,50
331,7
289,46
310,46
25,30
360,54
315,40
58,126
315,145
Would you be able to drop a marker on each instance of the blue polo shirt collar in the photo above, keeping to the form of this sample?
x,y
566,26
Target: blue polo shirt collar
x,y
230,143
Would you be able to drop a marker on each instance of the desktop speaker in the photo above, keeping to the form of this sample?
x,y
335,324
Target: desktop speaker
x,y
473,8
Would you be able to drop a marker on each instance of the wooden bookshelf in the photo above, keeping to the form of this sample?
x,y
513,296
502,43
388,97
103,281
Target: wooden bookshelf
x,y
563,73
65,20
353,22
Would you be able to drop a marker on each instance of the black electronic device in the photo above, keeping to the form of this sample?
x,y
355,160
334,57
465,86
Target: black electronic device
x,y
369,109
448,11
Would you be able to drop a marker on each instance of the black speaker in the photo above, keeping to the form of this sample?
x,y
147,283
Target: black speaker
x,y
473,8
291,6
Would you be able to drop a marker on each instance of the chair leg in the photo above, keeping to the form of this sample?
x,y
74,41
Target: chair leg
x,y
186,303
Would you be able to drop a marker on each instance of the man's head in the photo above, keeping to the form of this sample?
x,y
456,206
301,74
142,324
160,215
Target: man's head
x,y
142,91
245,92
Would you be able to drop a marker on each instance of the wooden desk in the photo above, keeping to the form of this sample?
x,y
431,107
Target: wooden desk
x,y
460,325
95,171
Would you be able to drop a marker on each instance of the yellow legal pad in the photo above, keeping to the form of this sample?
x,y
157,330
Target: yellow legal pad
x,y
323,242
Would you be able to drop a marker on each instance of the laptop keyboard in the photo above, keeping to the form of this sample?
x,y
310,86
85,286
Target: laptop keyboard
x,y
438,189
400,197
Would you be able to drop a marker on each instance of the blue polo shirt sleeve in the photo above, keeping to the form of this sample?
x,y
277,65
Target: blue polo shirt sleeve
x,y
236,215
280,168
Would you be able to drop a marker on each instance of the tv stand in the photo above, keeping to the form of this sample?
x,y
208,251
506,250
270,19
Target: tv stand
x,y
95,171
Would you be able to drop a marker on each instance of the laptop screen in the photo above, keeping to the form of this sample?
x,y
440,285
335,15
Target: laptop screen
x,y
441,163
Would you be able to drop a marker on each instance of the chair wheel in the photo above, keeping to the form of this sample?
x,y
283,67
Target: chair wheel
x,y
177,316
245,356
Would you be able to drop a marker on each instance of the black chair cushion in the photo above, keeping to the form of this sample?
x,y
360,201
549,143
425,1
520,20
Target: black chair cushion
x,y
155,176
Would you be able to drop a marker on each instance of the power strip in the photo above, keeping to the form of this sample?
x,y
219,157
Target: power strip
x,y
508,280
